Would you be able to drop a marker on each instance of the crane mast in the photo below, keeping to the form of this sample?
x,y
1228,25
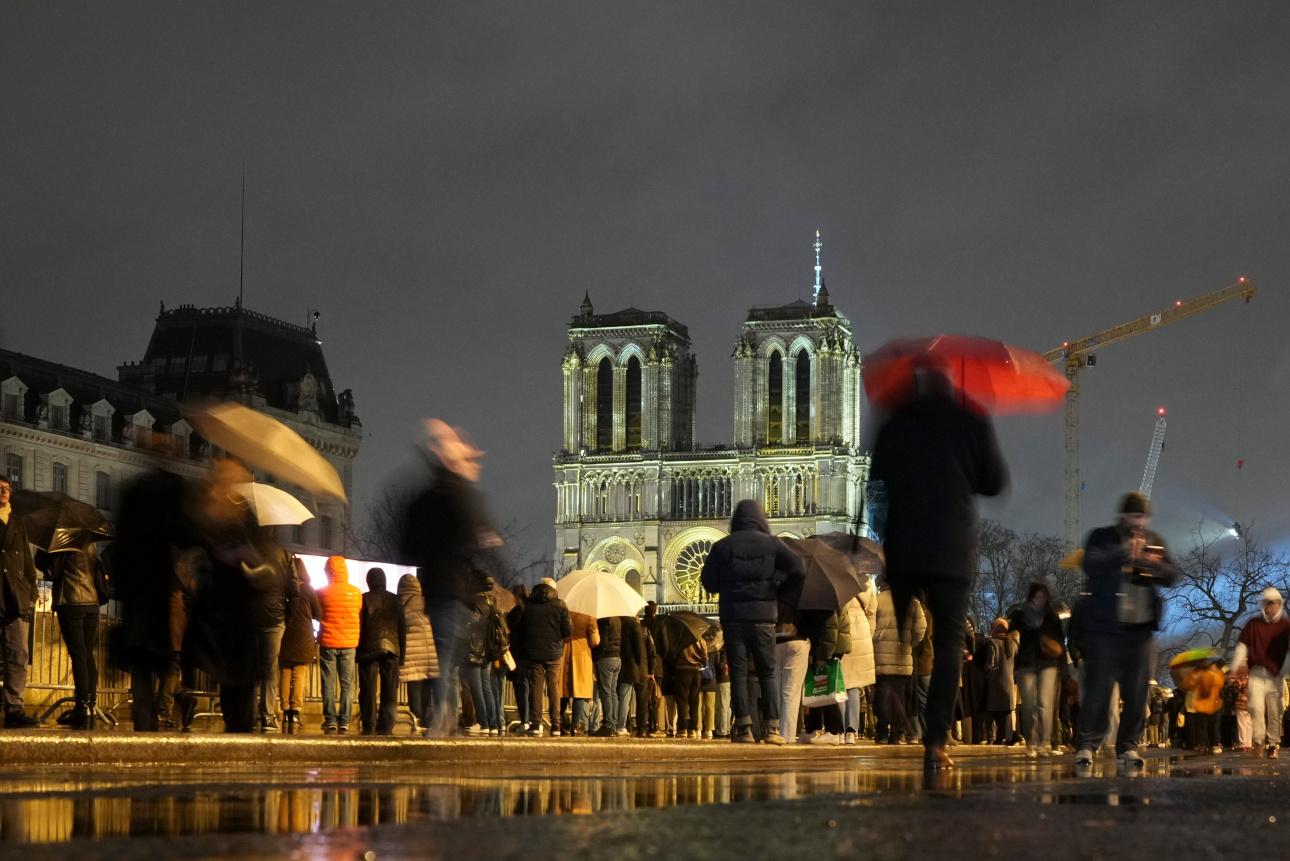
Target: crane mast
x,y
1153,455
1076,355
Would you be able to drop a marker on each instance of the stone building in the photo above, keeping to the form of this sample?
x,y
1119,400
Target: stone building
x,y
637,497
73,431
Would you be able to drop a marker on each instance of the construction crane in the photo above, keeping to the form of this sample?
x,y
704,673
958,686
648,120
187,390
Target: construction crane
x,y
1076,355
1153,455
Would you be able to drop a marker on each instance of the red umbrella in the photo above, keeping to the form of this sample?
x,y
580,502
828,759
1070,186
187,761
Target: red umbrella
x,y
994,376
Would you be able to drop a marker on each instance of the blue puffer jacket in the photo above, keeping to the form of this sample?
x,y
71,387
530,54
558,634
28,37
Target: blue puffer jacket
x,y
749,568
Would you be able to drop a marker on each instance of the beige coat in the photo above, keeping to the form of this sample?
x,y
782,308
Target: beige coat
x,y
579,669
893,652
857,664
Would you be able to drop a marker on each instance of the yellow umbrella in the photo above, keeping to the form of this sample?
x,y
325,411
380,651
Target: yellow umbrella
x,y
266,443
1073,561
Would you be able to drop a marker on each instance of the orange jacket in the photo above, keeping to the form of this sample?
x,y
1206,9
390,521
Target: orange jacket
x,y
341,606
1207,682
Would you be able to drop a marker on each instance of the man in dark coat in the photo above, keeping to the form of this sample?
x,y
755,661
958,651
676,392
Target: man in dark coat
x,y
609,664
17,606
748,570
633,680
1125,565
933,455
540,632
444,532
382,637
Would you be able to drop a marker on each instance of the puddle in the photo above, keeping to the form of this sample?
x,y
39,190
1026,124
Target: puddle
x,y
1100,799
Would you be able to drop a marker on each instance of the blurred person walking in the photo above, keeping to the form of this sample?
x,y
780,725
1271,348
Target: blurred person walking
x,y
1040,652
748,570
1262,649
338,636
382,640
933,456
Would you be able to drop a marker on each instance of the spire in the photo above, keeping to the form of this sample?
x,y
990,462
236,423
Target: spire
x,y
585,307
819,270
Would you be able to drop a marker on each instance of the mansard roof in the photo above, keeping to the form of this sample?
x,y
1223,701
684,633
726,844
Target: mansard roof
x,y
42,376
195,353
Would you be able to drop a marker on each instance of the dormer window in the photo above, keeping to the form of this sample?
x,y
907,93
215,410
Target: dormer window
x,y
59,403
13,392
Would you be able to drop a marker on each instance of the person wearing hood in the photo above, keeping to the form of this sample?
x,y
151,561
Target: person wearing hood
x,y
1039,655
420,661
1125,565
1263,647
749,570
539,632
382,640
341,604
934,455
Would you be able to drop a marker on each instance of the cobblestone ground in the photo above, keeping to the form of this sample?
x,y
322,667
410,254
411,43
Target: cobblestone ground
x,y
123,797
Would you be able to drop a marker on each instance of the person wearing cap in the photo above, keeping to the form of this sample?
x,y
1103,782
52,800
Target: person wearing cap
x,y
341,603
1263,646
445,531
1125,566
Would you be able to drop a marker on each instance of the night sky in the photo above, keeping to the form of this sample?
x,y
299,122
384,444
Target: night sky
x,y
443,181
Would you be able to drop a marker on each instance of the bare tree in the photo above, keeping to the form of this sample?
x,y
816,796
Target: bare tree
x,y
1039,558
997,567
1218,591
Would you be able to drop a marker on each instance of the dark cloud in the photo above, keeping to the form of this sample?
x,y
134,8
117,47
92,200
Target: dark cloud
x,y
445,180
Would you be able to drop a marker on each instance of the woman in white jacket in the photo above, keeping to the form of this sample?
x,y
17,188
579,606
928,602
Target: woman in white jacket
x,y
857,665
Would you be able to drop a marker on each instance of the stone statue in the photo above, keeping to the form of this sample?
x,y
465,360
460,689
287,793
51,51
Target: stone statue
x,y
308,393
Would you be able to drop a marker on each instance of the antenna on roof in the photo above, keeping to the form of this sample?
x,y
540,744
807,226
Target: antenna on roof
x,y
241,253
819,270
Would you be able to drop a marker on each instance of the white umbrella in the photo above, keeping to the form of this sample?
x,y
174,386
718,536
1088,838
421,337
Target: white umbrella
x,y
273,506
599,594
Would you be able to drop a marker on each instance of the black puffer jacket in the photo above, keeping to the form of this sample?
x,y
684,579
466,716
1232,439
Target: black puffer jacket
x,y
543,625
750,568
934,456
381,630
611,638
636,659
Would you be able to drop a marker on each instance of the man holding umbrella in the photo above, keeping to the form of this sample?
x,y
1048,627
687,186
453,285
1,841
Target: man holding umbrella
x,y
748,570
17,603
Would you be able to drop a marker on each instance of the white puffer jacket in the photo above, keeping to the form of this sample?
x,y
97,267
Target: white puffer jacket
x,y
893,654
857,664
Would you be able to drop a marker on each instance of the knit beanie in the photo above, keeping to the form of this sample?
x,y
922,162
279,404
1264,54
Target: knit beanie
x,y
1135,503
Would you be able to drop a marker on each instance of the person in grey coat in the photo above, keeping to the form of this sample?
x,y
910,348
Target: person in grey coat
x,y
420,661
997,656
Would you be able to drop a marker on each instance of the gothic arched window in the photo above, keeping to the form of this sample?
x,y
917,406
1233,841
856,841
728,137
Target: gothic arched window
x,y
605,405
802,408
775,396
633,404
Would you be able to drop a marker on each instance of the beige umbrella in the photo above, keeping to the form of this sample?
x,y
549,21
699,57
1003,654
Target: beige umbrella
x,y
272,505
266,443
598,594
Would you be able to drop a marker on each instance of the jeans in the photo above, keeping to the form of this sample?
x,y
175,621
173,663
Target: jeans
x,y
79,625
13,642
827,718
581,714
1110,658
268,643
1038,688
607,670
378,674
626,693
450,621
337,664
752,642
1265,707
521,686
947,600
686,681
544,680
792,658
852,716
479,681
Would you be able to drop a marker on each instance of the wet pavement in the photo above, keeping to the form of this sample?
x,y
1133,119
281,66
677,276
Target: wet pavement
x,y
578,798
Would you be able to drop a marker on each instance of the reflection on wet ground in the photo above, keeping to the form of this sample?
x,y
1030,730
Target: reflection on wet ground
x,y
48,805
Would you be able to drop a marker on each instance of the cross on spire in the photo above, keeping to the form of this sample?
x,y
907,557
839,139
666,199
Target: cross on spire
x,y
819,270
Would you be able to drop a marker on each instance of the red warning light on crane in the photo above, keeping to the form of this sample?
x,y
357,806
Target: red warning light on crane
x,y
1241,280
1160,411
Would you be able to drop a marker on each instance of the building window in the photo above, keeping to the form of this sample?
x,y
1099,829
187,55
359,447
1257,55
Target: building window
x,y
102,427
103,491
297,534
605,405
771,500
219,362
633,404
13,406
60,478
324,532
802,406
775,407
57,417
13,469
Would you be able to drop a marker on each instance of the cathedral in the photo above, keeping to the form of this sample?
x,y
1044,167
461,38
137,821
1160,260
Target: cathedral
x,y
635,495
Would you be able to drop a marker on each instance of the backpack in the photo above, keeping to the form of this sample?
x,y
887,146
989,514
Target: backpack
x,y
497,634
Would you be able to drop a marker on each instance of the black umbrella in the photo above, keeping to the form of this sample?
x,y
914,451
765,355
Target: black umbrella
x,y
55,521
831,580
682,629
865,554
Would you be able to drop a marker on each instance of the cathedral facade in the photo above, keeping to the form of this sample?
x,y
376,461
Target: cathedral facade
x,y
635,496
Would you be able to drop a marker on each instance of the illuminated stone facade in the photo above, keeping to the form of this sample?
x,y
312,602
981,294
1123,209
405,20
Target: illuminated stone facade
x,y
644,503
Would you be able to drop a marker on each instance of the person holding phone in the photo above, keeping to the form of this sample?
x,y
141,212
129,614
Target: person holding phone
x,y
1125,566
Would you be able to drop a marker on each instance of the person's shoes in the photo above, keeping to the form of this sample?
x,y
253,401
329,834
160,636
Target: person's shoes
x,y
342,730
773,737
66,717
1216,750
1256,750
827,738
805,738
622,733
1047,752
1130,761
187,705
19,719
744,735
707,735
534,731
849,737
494,733
1032,753
475,729
1273,751
1084,758
936,758
269,723
603,731
82,717
555,733
329,729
